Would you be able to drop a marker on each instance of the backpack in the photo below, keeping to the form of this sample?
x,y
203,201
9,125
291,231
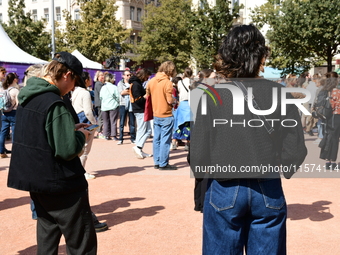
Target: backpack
x,y
5,100
322,106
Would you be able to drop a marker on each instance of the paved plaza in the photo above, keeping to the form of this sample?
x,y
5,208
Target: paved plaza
x,y
150,212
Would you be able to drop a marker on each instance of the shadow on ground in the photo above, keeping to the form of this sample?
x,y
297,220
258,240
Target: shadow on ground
x,y
33,250
119,171
3,168
317,211
14,202
113,205
28,251
130,215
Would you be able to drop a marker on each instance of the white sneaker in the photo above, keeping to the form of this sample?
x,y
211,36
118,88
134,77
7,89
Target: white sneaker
x,y
173,146
317,141
89,176
145,155
120,142
138,152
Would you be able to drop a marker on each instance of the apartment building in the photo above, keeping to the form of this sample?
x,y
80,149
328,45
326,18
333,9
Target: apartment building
x,y
129,13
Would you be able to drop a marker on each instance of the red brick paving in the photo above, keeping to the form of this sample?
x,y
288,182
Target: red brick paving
x,y
150,212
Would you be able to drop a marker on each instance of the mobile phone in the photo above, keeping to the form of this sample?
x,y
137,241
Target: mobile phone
x,y
92,127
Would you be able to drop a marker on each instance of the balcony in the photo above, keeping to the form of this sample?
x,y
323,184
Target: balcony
x,y
135,25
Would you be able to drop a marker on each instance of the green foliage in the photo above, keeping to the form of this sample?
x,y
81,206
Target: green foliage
x,y
166,33
209,25
302,32
27,34
176,31
97,32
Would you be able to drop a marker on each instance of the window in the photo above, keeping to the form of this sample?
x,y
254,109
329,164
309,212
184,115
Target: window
x,y
139,39
58,14
34,1
76,14
202,4
132,13
132,41
0,2
46,14
0,17
35,15
139,14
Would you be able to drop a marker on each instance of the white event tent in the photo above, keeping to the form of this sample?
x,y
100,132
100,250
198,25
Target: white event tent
x,y
87,63
11,53
13,58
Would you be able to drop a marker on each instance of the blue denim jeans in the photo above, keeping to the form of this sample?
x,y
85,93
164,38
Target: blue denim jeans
x,y
8,121
245,214
34,212
162,139
320,126
143,130
122,116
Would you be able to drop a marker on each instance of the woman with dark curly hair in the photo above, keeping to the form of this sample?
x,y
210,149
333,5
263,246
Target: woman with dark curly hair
x,y
244,210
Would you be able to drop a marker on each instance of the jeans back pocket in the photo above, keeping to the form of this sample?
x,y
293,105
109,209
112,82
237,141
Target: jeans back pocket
x,y
272,193
223,195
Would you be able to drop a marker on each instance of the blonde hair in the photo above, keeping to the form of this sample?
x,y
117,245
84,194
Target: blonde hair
x,y
95,78
169,68
34,71
290,79
109,78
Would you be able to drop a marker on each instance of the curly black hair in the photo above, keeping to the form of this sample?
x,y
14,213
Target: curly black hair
x,y
241,52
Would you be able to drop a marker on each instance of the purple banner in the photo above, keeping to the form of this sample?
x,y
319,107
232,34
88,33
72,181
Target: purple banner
x,y
21,68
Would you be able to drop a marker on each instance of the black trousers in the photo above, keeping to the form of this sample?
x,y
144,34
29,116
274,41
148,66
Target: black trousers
x,y
333,128
68,215
199,193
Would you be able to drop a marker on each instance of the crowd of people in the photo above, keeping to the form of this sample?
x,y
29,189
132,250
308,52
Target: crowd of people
x,y
327,130
49,116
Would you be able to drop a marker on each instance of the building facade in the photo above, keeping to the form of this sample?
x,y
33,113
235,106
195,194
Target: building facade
x,y
129,13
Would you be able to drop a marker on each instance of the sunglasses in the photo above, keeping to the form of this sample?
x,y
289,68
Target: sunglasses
x,y
127,74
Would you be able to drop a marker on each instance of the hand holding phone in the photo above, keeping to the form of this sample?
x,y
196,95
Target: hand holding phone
x,y
92,127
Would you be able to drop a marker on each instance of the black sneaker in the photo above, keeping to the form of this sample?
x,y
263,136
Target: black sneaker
x,y
168,167
100,227
310,132
328,165
334,166
8,151
156,166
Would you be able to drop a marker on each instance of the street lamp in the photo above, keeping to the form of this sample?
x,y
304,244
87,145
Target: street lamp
x,y
52,28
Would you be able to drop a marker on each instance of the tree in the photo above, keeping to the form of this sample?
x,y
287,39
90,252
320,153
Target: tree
x,y
166,33
98,32
209,25
27,34
302,32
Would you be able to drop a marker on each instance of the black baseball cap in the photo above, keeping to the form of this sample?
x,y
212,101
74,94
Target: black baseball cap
x,y
72,63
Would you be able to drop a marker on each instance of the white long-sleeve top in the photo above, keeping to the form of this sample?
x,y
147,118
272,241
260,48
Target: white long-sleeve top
x,y
81,101
183,92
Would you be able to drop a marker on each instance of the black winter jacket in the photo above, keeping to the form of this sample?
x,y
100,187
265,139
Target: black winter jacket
x,y
235,148
33,165
137,92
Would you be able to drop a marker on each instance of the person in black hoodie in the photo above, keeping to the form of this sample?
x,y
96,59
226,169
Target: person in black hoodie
x,y
137,98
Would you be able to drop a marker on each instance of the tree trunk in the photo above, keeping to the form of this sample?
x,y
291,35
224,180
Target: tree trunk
x,y
329,59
